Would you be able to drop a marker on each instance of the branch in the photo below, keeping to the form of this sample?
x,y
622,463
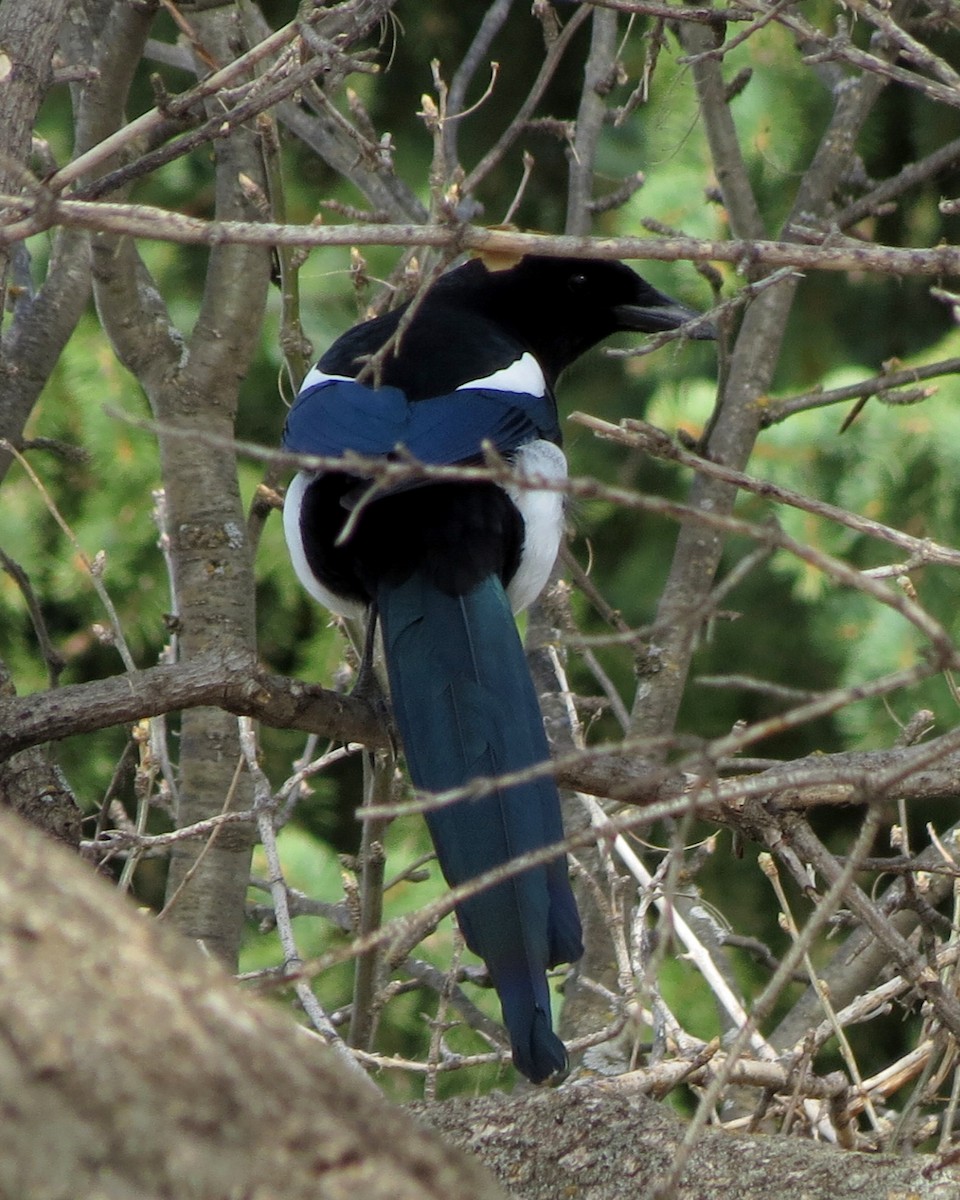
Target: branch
x,y
725,152
655,442
525,111
735,424
229,681
598,77
339,26
884,386
674,12
477,51
831,253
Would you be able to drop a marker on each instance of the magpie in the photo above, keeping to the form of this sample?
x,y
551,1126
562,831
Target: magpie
x,y
445,564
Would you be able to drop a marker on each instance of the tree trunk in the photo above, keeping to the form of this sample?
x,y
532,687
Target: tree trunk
x,y
130,1066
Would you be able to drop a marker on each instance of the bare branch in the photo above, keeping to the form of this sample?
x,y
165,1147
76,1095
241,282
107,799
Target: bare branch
x,y
229,680
599,77
833,253
640,434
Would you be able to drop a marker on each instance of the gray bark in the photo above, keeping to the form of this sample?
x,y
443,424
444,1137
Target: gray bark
x,y
598,1142
131,1067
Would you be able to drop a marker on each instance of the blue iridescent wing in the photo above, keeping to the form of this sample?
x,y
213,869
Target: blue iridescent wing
x,y
334,416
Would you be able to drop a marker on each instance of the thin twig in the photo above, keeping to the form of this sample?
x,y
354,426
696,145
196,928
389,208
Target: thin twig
x,y
264,807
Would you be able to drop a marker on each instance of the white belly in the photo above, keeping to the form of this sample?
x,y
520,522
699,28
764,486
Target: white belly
x,y
542,511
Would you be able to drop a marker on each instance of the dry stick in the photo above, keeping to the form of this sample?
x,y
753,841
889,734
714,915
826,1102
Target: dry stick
x,y
910,48
155,841
528,165
155,118
424,974
664,1077
913,966
172,901
295,792
113,839
450,1062
378,770
717,316
359,157
769,868
673,12
598,74
525,111
265,804
659,444
159,744
765,1002
882,386
834,253
875,1002
245,103
862,957
756,24
942,159
841,49
950,980
935,1048
693,945
477,51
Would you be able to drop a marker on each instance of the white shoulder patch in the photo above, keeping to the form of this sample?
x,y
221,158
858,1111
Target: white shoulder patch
x,y
315,376
542,511
522,375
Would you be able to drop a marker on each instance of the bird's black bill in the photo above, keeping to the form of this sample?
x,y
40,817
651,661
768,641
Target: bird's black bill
x,y
661,317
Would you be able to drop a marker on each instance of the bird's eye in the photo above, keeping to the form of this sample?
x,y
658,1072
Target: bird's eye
x,y
577,283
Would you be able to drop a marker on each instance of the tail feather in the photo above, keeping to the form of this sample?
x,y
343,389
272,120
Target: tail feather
x,y
466,708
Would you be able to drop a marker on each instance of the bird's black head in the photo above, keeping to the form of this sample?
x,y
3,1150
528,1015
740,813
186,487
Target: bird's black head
x,y
560,307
